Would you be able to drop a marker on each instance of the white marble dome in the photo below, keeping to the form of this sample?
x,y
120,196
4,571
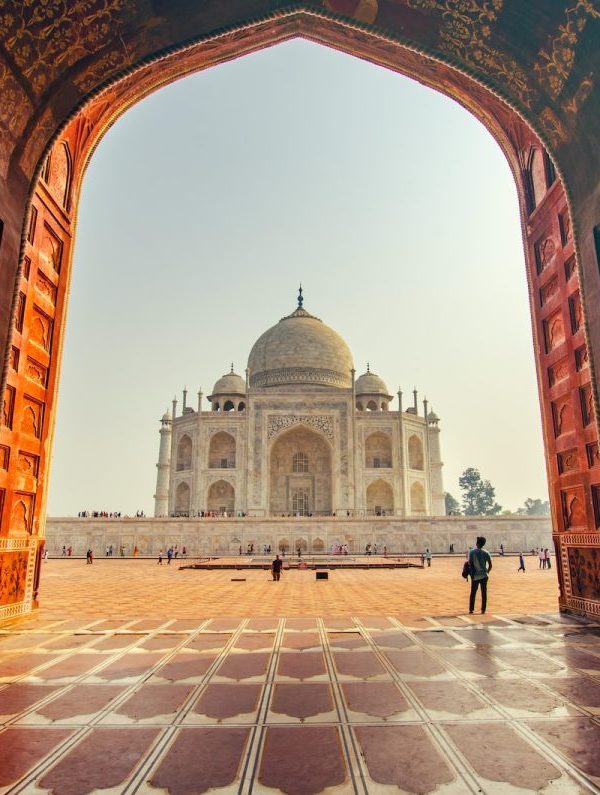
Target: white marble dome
x,y
371,384
300,350
229,384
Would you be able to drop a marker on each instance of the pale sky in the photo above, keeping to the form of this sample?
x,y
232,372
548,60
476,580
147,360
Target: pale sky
x,y
206,205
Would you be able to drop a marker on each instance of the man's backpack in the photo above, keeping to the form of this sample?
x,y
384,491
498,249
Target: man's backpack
x,y
466,570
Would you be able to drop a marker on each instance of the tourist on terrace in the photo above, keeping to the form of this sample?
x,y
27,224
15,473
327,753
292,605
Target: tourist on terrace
x,y
276,567
480,565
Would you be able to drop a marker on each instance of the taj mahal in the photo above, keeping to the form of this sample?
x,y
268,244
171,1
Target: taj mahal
x,y
299,436
298,455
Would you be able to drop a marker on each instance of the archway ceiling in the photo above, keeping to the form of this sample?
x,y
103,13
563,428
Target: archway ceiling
x,y
543,56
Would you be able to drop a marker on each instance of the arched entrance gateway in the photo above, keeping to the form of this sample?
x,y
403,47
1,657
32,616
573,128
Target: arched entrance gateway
x,y
85,64
300,482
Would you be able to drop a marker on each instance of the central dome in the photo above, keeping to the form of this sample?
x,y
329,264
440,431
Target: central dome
x,y
300,350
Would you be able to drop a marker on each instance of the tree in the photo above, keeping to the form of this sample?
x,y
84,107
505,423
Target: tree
x,y
478,495
534,507
452,505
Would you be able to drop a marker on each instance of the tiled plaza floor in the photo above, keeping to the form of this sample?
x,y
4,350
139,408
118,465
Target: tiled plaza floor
x,y
102,697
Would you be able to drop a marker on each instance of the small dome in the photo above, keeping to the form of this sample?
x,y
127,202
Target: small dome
x,y
229,384
371,384
166,417
433,417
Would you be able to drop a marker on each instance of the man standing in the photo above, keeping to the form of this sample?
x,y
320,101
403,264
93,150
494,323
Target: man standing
x,y
521,563
276,568
480,565
428,556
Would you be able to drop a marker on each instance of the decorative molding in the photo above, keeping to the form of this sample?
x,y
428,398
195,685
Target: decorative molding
x,y
320,422
300,375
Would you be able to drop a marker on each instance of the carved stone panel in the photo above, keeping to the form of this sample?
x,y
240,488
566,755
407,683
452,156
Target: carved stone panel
x,y
587,405
320,422
576,312
50,250
31,417
568,461
565,227
45,287
573,507
41,329
554,331
558,372
562,414
36,372
593,454
545,250
22,512
13,576
28,464
549,290
581,358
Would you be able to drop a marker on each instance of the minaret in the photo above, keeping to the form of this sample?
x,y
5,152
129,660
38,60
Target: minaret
x,y
161,498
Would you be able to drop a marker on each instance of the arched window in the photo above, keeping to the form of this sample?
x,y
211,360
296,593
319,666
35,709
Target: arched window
x,y
380,498
221,452
359,406
541,175
229,406
182,500
242,406
371,406
184,453
415,453
378,451
300,502
318,545
417,498
58,173
215,406
221,498
300,462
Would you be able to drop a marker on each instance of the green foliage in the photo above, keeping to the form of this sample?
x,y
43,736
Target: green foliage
x,y
452,505
534,507
478,495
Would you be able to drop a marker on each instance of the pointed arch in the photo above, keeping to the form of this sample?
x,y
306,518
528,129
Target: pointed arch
x,y
182,499
378,450
184,453
220,498
417,498
221,451
415,452
380,498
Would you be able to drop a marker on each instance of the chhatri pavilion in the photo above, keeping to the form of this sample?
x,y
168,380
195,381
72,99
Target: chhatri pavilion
x,y
300,436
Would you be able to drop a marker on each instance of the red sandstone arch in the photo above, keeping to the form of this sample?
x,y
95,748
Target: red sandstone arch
x,y
464,51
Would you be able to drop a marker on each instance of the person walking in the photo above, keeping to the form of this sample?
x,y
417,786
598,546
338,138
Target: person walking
x,y
428,556
276,567
521,563
159,562
480,565
542,558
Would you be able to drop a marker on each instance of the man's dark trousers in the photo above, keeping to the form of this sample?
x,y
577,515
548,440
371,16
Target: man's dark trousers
x,y
474,586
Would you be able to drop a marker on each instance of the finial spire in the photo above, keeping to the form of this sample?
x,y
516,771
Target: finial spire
x,y
368,367
300,299
231,368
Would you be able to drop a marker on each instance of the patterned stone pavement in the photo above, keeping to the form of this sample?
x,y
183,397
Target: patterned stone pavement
x,y
341,703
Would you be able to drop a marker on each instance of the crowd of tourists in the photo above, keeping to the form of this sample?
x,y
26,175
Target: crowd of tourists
x,y
107,515
172,552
